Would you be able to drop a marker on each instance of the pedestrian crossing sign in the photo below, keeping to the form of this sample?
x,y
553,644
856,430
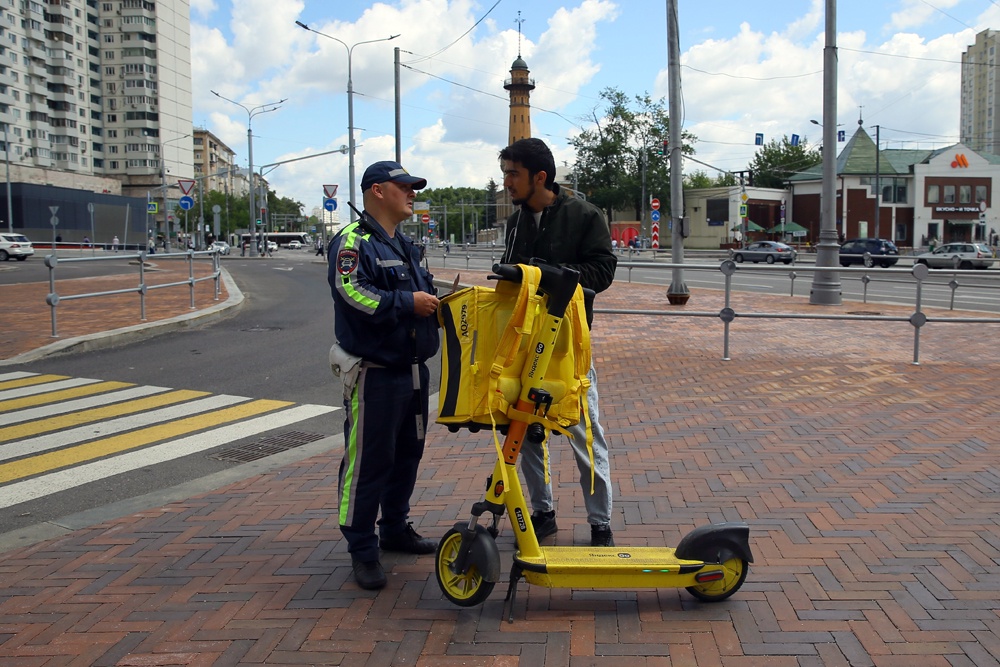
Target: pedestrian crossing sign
x,y
152,207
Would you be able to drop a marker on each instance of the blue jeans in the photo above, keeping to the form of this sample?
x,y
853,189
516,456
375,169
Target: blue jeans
x,y
598,503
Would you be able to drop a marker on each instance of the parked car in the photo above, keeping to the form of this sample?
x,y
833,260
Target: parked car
x,y
765,251
15,245
881,252
294,245
958,256
221,246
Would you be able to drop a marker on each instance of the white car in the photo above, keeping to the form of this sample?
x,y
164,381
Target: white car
x,y
964,255
221,246
15,245
294,245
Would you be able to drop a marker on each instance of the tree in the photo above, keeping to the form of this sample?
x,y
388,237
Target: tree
x,y
624,140
459,212
777,160
492,197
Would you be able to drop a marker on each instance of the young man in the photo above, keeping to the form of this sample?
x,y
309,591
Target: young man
x,y
384,303
559,229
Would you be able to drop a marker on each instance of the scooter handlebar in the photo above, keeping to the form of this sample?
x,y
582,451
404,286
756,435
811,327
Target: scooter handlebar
x,y
557,282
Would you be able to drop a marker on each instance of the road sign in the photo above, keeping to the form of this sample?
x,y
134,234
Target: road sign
x,y
425,218
655,215
330,191
330,204
743,210
152,207
186,202
655,204
186,185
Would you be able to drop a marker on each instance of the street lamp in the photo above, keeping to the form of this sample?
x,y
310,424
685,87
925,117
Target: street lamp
x,y
251,112
164,187
10,205
350,99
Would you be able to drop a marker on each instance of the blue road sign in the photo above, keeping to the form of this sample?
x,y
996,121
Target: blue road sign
x,y
795,140
186,202
152,207
655,215
758,139
330,204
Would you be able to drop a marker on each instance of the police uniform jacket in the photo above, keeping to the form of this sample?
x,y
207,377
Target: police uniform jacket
x,y
373,285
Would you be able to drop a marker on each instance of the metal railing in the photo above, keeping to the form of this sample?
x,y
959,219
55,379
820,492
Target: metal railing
x,y
918,318
53,299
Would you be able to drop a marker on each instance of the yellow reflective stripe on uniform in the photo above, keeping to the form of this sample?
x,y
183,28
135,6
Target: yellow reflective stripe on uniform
x,y
350,291
347,484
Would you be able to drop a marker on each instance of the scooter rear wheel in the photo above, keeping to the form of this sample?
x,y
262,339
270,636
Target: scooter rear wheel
x,y
465,590
736,570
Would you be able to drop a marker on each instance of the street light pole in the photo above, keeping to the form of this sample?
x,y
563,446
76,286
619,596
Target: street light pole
x,y
350,101
251,112
10,204
826,287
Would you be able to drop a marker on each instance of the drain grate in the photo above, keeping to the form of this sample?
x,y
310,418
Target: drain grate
x,y
265,447
863,312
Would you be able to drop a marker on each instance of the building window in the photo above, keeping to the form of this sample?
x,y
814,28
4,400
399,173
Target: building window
x,y
965,194
980,193
933,194
949,194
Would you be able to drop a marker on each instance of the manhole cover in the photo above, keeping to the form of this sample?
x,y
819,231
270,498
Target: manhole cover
x,y
863,312
265,447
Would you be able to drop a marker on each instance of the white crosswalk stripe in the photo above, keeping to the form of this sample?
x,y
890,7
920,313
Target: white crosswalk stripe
x,y
57,433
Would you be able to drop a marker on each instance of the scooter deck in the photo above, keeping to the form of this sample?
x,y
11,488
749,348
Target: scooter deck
x,y
610,567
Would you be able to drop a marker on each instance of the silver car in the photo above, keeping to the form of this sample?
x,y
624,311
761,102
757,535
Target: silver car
x,y
765,251
964,255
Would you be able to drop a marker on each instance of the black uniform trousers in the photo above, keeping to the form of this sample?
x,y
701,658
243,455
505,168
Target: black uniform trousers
x,y
382,451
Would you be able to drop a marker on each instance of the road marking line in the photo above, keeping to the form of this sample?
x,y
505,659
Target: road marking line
x,y
30,380
13,375
45,388
38,487
133,440
40,398
82,434
45,411
81,417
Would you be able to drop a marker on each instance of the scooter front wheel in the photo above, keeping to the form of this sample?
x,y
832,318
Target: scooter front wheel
x,y
735,573
464,589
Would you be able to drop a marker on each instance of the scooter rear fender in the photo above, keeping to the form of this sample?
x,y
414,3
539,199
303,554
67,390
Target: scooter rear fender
x,y
716,543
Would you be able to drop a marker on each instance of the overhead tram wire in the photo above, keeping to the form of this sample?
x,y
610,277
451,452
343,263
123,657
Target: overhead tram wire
x,y
457,40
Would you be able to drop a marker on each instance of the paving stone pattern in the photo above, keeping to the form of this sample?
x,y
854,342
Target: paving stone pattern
x,y
870,485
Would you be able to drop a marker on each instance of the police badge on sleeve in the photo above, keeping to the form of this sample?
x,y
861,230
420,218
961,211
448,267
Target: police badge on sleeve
x,y
347,261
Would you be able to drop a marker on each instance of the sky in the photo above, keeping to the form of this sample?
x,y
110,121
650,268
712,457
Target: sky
x,y
747,67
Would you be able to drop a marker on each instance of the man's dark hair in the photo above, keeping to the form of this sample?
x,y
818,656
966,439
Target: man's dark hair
x,y
533,155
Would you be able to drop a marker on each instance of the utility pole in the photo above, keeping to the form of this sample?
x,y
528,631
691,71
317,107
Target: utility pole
x,y
878,182
677,293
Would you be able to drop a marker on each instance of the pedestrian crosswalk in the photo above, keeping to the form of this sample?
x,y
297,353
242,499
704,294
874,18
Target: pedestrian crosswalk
x,y
58,432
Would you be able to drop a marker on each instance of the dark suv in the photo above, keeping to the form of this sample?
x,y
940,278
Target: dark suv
x,y
883,253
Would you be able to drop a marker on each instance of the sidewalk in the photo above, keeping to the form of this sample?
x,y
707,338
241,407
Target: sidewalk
x,y
870,485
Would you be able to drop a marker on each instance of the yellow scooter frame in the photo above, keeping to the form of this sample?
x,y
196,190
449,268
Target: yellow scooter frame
x,y
711,561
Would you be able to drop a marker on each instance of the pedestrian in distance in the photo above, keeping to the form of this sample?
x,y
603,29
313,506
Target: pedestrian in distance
x,y
384,304
114,244
556,228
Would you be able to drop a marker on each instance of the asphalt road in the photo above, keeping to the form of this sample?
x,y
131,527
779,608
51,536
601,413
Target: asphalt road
x,y
273,347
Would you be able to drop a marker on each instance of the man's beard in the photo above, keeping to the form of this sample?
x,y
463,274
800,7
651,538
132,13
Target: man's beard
x,y
521,201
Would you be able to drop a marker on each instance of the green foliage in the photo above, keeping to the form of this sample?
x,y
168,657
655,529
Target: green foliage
x,y
701,179
459,211
777,160
624,138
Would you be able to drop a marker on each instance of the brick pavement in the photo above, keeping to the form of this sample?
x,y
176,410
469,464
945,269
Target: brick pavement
x,y
870,485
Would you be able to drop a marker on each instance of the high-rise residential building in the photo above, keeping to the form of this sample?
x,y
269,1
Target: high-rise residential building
x,y
215,164
980,98
96,94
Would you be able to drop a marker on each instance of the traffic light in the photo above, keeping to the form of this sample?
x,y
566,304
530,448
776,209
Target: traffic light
x,y
664,149
750,178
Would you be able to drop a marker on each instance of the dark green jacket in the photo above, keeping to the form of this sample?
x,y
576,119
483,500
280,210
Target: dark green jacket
x,y
572,233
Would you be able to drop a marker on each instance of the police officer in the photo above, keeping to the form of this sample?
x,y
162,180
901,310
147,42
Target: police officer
x,y
384,303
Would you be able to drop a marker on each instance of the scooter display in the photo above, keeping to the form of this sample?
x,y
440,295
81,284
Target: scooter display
x,y
711,561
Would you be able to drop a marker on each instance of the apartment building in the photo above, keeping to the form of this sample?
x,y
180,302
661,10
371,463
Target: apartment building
x,y
95,96
980,95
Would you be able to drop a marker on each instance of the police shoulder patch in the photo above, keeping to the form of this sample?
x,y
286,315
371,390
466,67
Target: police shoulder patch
x,y
347,261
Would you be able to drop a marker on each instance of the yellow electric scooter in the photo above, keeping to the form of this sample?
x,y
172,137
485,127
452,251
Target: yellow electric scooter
x,y
711,561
